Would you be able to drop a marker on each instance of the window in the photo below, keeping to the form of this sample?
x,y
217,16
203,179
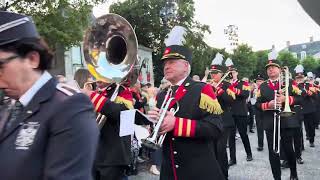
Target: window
x,y
303,55
76,55
295,55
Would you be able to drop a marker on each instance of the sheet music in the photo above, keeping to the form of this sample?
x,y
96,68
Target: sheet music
x,y
127,122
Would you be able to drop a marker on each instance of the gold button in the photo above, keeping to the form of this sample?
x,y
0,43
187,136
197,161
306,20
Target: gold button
x,y
175,152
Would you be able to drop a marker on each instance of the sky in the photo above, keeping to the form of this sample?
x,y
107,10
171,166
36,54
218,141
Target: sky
x,y
261,23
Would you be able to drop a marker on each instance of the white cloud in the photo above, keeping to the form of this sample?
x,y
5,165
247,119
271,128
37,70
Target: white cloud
x,y
261,23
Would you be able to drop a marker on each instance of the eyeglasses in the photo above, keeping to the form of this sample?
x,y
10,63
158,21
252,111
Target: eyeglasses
x,y
8,59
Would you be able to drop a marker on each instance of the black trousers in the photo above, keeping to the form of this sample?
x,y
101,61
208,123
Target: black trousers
x,y
109,173
310,122
287,147
259,124
241,125
221,151
297,141
251,115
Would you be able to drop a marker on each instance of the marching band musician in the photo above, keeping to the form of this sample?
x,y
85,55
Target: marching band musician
x,y
309,108
114,153
297,135
50,132
258,114
188,148
265,101
240,90
225,100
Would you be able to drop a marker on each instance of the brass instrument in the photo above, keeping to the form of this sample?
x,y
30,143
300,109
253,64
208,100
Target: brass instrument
x,y
154,141
110,52
222,79
278,113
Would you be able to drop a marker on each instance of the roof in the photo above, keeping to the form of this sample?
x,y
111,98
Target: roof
x,y
311,48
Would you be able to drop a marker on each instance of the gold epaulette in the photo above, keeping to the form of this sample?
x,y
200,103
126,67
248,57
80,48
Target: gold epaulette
x,y
208,101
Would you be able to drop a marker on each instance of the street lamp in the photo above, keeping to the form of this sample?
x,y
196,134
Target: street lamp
x,y
169,12
3,5
231,31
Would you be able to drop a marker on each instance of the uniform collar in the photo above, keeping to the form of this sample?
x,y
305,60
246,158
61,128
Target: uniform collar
x,y
27,96
181,81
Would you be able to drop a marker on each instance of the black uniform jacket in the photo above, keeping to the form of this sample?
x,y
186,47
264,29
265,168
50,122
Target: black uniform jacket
x,y
309,98
113,150
188,150
225,100
266,94
241,90
54,138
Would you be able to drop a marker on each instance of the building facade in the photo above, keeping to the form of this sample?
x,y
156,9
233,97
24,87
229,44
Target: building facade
x,y
302,50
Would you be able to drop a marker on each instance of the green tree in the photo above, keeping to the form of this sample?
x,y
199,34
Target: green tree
x,y
262,60
287,59
245,60
310,64
61,23
58,22
144,15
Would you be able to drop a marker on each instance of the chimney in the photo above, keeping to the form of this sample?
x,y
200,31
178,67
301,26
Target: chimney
x,y
288,43
273,46
311,39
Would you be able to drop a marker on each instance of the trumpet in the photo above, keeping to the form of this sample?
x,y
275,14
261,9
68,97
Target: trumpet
x,y
278,113
223,78
155,141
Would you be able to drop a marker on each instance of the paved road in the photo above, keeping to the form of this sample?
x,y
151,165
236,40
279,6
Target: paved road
x,y
259,168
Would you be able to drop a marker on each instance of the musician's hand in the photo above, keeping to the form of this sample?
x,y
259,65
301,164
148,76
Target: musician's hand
x,y
206,72
168,123
280,98
153,114
87,91
213,83
271,104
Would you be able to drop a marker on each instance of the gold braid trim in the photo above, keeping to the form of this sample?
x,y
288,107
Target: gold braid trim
x,y
296,90
127,103
246,88
209,104
258,93
231,93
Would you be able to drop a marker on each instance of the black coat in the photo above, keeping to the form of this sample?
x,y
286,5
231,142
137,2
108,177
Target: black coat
x,y
55,137
113,150
309,102
226,101
239,106
266,94
188,151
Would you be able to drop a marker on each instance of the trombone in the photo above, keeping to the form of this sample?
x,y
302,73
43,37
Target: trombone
x,y
154,141
278,113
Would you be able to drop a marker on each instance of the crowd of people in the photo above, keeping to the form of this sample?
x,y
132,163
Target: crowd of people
x,y
55,128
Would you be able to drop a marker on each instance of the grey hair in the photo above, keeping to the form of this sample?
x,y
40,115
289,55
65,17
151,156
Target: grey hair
x,y
189,69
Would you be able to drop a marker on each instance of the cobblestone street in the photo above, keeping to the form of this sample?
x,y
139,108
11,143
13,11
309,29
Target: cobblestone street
x,y
259,168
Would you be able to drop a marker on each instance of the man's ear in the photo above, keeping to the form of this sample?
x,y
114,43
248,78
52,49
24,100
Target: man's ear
x,y
34,59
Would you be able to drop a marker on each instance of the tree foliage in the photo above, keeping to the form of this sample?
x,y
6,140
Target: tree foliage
x,y
151,31
310,64
58,22
287,59
262,59
244,60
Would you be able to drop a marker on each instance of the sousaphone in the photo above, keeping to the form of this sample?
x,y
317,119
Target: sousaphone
x,y
110,51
